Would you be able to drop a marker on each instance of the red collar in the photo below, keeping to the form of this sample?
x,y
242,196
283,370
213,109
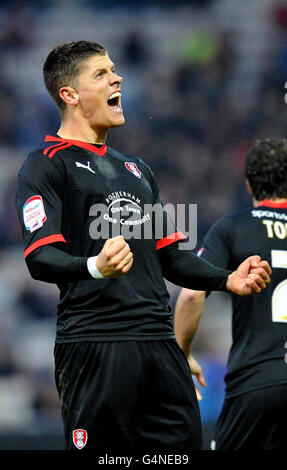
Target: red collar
x,y
268,203
85,145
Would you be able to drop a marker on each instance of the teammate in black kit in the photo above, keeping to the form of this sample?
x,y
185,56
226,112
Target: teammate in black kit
x,y
254,413
123,381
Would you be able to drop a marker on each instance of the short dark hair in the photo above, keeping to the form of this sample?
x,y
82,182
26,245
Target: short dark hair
x,y
62,66
266,169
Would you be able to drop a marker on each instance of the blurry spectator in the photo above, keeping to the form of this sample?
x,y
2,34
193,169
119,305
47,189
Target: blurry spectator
x,y
134,49
10,232
45,403
9,106
18,29
7,361
280,16
37,304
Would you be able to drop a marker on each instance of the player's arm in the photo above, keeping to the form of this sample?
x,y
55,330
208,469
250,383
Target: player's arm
x,y
190,303
184,268
187,314
50,264
217,247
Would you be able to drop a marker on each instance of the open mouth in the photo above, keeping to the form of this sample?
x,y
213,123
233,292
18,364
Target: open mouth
x,y
114,102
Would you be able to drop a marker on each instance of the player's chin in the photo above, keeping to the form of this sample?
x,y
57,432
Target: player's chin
x,y
116,117
118,121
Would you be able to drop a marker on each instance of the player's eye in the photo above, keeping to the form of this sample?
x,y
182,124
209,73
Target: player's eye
x,y
100,74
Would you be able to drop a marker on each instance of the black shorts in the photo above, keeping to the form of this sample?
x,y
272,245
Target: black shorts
x,y
255,420
130,396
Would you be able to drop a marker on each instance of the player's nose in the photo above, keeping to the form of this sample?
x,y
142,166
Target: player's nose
x,y
116,79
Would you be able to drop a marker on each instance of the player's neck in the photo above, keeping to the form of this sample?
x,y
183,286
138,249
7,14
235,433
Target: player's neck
x,y
70,129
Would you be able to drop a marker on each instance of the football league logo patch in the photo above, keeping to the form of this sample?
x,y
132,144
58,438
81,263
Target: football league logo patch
x,y
200,251
80,437
131,166
34,213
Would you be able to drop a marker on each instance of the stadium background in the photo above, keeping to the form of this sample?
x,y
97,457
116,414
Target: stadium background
x,y
202,80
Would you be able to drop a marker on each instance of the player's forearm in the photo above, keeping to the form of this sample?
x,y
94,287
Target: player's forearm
x,y
188,310
50,264
185,269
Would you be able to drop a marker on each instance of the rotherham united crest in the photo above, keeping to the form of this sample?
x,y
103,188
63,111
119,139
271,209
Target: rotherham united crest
x,y
80,437
131,166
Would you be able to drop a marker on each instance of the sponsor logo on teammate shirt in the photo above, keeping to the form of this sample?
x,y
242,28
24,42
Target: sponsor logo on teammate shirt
x,y
34,213
131,166
80,437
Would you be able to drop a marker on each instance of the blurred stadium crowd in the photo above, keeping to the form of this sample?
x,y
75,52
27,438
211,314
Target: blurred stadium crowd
x,y
202,80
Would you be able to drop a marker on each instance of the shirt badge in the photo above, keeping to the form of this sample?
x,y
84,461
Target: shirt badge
x,y
80,437
34,213
131,166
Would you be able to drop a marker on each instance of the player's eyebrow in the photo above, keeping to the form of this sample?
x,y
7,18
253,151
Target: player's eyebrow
x,y
104,69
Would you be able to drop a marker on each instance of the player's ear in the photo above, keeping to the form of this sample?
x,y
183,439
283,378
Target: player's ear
x,y
69,95
248,187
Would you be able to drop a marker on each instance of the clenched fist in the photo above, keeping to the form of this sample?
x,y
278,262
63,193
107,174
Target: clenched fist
x,y
115,259
251,277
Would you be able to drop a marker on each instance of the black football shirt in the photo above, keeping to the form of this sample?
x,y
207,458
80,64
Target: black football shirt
x,y
259,322
77,195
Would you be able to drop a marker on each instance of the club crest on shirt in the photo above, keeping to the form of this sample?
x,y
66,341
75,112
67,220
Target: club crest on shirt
x,y
80,437
131,166
34,213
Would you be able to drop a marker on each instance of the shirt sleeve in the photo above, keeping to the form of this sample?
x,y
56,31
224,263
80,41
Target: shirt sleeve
x,y
49,264
39,202
185,269
209,270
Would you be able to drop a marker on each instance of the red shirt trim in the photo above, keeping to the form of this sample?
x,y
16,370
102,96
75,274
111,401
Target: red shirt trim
x,y
54,149
174,237
57,237
101,151
268,203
